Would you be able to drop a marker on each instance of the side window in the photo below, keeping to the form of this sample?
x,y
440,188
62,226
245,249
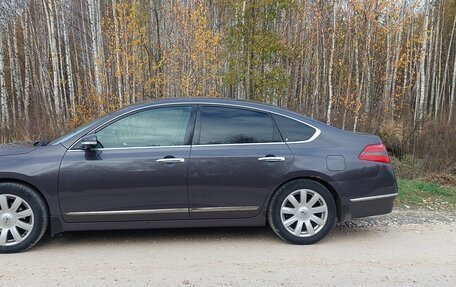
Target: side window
x,y
292,130
155,127
220,125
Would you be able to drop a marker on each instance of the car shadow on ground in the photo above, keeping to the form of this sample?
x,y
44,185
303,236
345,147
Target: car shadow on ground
x,y
239,235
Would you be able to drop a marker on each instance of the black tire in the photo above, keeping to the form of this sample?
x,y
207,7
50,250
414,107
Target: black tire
x,y
274,214
39,210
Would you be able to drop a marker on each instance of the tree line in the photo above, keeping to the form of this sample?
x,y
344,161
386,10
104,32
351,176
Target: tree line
x,y
380,66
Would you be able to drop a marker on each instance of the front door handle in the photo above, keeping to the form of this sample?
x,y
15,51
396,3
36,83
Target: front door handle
x,y
272,158
171,160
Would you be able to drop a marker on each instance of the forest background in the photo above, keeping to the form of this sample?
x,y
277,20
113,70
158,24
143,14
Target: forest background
x,y
379,66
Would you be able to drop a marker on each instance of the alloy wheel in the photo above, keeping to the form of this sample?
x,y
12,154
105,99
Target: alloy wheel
x,y
304,212
16,219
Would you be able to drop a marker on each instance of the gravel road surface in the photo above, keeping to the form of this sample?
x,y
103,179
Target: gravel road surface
x,y
406,248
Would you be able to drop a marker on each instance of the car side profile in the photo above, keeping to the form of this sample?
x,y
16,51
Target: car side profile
x,y
193,163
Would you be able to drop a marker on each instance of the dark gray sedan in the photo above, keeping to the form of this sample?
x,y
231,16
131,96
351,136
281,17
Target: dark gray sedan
x,y
193,163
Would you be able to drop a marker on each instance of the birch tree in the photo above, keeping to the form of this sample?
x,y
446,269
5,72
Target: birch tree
x,y
51,29
97,54
4,120
422,64
27,67
453,89
68,64
331,63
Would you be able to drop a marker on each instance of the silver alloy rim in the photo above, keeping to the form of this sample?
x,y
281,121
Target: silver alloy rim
x,y
16,219
304,213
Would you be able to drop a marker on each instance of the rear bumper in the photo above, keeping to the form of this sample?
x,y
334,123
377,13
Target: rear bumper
x,y
366,206
372,205
368,195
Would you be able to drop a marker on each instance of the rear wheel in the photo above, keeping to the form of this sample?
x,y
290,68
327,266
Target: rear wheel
x,y
23,217
302,211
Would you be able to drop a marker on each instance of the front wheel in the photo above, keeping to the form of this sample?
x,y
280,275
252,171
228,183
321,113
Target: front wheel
x,y
23,217
302,211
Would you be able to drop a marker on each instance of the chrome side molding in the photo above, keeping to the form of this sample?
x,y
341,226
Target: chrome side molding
x,y
224,209
129,212
164,210
361,199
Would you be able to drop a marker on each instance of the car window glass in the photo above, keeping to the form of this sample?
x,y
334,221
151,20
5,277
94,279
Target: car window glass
x,y
220,125
293,130
156,127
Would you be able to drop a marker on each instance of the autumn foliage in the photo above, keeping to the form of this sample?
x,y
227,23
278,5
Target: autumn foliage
x,y
379,66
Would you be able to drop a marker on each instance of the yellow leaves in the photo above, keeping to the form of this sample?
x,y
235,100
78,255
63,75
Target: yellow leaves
x,y
194,52
127,57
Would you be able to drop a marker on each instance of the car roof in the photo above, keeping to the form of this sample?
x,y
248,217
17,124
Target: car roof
x,y
202,100
222,101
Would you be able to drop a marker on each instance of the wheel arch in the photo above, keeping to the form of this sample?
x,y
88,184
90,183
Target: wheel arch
x,y
29,185
325,183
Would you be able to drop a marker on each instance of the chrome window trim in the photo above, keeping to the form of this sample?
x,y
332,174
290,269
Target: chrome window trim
x,y
128,212
238,144
315,135
375,197
224,209
131,148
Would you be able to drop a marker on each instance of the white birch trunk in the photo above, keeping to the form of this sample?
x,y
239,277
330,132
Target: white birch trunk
x,y
96,39
27,72
4,119
422,90
397,54
358,85
453,89
13,79
387,77
429,58
367,65
68,65
17,75
117,43
330,69
439,69
54,57
62,81
87,64
447,63
437,57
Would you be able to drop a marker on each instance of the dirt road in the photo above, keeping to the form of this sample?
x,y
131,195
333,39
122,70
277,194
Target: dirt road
x,y
406,248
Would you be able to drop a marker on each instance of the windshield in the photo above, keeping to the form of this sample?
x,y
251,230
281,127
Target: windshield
x,y
76,130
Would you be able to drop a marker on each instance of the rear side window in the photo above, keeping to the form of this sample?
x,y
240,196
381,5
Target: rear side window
x,y
292,130
220,125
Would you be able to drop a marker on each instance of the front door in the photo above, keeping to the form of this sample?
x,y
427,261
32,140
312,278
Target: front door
x,y
237,156
138,171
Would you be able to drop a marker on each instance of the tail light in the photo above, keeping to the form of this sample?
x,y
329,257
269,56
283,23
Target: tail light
x,y
375,152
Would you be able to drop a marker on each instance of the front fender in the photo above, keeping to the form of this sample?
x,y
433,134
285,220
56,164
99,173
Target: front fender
x,y
38,169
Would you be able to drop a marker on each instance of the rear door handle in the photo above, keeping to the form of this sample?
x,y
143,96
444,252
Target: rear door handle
x,y
171,160
272,158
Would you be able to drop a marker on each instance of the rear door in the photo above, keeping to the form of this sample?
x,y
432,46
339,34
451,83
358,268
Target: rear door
x,y
237,156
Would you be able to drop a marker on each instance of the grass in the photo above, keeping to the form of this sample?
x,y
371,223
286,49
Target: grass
x,y
421,193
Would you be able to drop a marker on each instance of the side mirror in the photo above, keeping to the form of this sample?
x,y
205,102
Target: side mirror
x,y
89,142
